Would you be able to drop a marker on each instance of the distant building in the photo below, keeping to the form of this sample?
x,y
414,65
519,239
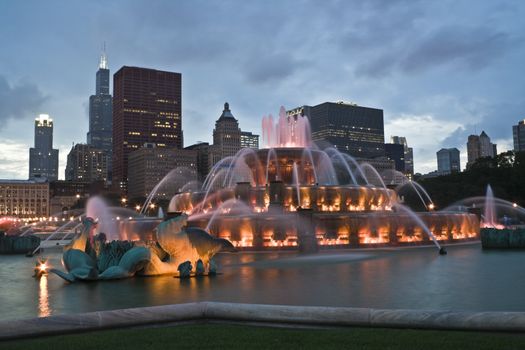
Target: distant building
x,y
67,195
408,155
24,198
202,150
43,159
430,175
518,134
100,134
448,161
479,147
353,129
382,165
148,165
86,163
147,108
226,137
396,153
249,140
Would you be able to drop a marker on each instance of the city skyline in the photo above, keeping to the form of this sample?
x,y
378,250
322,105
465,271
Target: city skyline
x,y
439,77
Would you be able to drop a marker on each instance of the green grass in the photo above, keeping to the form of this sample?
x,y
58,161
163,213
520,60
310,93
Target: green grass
x,y
222,336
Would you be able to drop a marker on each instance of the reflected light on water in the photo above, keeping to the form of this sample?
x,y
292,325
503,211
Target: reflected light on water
x,y
43,298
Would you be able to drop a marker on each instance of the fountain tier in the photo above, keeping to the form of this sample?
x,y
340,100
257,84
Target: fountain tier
x,y
271,197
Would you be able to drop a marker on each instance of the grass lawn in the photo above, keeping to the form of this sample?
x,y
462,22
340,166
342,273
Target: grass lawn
x,y
223,336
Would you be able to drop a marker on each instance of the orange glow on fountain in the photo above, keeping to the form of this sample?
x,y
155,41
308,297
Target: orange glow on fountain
x,y
275,197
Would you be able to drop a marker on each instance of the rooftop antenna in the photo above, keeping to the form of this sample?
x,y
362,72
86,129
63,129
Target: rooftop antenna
x,y
103,58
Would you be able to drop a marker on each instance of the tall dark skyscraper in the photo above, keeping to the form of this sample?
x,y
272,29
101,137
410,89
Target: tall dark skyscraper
x,y
147,108
43,159
101,113
396,153
356,130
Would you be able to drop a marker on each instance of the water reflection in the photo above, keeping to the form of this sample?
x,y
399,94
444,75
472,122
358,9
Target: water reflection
x,y
466,279
43,298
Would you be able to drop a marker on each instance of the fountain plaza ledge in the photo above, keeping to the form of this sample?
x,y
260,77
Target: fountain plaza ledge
x,y
502,238
263,314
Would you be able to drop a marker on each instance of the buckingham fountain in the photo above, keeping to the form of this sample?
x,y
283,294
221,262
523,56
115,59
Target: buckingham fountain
x,y
292,195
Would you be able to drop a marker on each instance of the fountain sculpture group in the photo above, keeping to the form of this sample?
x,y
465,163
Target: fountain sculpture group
x,y
175,251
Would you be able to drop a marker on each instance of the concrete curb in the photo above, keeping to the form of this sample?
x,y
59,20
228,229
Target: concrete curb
x,y
278,314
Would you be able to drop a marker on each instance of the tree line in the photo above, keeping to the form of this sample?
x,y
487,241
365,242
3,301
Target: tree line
x,y
505,173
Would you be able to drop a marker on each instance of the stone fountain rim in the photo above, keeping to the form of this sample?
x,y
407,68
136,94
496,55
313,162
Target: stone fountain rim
x,y
320,316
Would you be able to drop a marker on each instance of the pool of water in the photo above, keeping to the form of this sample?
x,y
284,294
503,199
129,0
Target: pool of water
x,y
468,278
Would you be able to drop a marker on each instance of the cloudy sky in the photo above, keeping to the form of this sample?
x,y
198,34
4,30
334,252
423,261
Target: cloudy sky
x,y
440,70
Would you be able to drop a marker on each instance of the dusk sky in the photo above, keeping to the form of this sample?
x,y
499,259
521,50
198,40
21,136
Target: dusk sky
x,y
440,70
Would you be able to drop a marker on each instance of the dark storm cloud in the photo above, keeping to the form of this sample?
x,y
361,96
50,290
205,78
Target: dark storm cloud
x,y
404,39
275,67
18,101
471,48
495,115
457,138
455,63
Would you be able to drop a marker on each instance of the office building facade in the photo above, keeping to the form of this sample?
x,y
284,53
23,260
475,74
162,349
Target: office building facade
x,y
67,195
479,147
86,163
448,161
24,198
148,165
249,140
147,108
353,129
408,155
396,153
43,159
202,150
518,135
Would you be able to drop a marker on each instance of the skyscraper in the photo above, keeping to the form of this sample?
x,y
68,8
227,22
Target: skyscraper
x,y
148,165
226,137
448,161
203,152
518,134
100,111
86,163
396,153
408,155
479,147
43,159
147,107
353,129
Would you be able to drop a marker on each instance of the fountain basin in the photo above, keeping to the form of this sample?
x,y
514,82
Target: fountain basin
x,y
346,230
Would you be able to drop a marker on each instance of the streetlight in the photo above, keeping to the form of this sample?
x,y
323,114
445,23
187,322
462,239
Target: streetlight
x,y
123,200
431,206
137,207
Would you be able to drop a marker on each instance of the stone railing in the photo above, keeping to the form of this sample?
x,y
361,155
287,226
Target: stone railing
x,y
264,314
